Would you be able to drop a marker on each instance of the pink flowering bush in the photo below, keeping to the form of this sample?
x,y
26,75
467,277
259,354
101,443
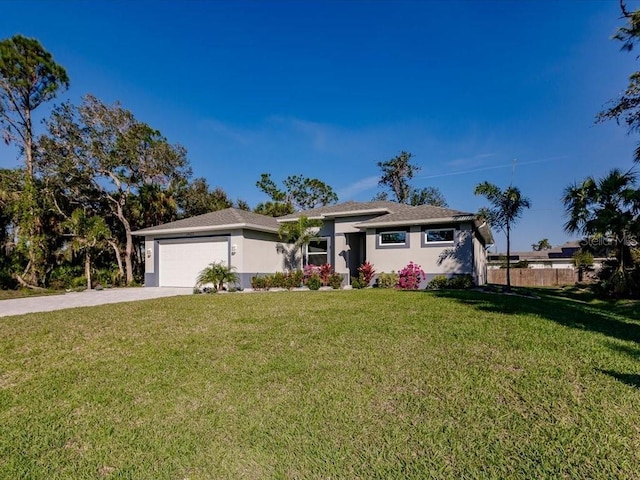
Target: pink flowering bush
x,y
366,273
325,272
310,271
409,277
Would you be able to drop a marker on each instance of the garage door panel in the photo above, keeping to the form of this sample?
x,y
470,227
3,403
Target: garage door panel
x,y
182,260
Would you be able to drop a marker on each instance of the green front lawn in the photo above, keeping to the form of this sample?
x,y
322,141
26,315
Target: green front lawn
x,y
346,384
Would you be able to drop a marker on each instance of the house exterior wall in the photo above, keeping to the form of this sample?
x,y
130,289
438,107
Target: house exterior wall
x,y
438,259
250,253
257,253
341,254
479,261
341,251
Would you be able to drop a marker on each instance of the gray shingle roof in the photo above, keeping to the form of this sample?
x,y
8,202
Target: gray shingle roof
x,y
392,213
414,215
229,217
347,209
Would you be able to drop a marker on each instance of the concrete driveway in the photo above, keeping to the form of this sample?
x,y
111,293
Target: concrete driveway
x,y
19,306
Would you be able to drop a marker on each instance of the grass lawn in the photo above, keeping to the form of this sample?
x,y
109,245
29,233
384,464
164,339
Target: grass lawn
x,y
352,384
25,292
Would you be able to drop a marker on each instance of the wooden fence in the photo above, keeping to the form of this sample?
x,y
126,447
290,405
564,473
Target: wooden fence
x,y
534,277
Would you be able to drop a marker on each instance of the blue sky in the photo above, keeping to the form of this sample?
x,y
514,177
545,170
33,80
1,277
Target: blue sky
x,y
327,89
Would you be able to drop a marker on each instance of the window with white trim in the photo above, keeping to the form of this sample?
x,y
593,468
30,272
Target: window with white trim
x,y
440,235
392,238
317,252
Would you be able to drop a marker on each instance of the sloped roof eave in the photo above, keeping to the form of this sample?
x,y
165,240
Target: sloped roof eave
x,y
347,213
380,223
485,232
148,232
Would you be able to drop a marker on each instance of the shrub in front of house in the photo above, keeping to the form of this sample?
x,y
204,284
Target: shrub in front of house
x,y
365,275
335,281
387,280
439,282
308,272
299,278
325,272
314,282
366,272
410,277
461,282
457,282
259,283
286,280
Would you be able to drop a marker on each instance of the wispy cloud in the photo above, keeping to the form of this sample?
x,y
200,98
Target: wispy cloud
x,y
360,186
227,131
513,165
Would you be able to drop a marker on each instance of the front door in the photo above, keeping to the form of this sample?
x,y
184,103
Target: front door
x,y
357,252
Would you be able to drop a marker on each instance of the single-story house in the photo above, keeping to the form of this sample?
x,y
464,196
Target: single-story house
x,y
556,257
387,234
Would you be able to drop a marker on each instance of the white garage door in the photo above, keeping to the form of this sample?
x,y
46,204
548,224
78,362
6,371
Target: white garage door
x,y
181,260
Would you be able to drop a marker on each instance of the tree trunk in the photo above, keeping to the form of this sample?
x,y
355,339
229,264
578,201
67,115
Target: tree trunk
x,y
22,281
87,269
128,251
28,143
118,257
508,258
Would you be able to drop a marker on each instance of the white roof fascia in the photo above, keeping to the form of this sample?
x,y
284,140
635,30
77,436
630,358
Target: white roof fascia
x,y
425,221
348,213
215,228
289,220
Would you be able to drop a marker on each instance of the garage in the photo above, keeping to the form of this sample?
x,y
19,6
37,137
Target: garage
x,y
180,260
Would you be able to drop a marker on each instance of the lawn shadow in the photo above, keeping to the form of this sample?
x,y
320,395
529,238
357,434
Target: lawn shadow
x,y
605,318
631,379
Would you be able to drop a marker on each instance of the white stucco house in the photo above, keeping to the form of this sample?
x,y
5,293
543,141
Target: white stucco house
x,y
387,234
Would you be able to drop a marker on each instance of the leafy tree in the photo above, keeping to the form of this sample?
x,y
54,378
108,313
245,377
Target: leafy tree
x,y
427,196
115,157
11,181
606,211
299,233
242,205
583,261
274,209
29,77
396,177
626,107
86,233
541,245
307,193
153,205
299,193
196,198
506,208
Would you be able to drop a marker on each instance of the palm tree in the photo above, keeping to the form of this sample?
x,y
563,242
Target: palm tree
x,y
300,233
506,208
607,209
87,234
218,274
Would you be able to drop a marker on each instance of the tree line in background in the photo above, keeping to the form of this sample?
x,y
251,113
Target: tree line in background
x,y
606,210
97,173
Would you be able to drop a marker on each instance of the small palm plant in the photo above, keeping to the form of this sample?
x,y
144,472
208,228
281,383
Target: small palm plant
x,y
218,274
